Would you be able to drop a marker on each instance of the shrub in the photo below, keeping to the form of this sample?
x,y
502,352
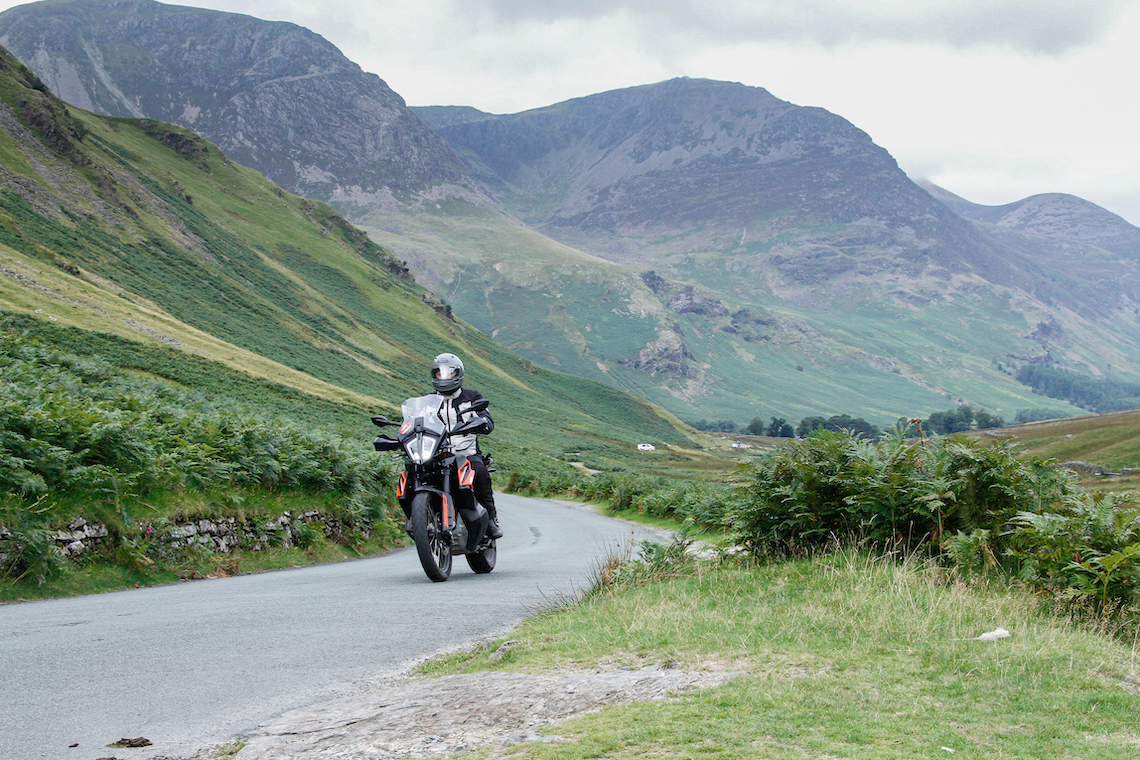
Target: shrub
x,y
1087,545
835,486
26,552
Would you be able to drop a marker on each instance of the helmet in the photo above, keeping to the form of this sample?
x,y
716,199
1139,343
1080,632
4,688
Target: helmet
x,y
447,373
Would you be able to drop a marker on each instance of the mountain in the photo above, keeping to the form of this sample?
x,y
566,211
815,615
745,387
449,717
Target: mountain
x,y
702,244
273,96
139,232
788,212
651,175
1055,215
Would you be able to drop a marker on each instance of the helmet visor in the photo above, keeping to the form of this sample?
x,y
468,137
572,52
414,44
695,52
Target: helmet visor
x,y
444,372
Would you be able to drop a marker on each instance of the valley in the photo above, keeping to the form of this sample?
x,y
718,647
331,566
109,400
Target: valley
x,y
703,245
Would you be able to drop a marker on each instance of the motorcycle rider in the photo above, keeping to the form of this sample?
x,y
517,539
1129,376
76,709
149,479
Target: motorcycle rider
x,y
447,379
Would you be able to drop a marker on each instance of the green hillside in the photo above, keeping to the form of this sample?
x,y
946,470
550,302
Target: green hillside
x,y
142,230
1111,440
741,355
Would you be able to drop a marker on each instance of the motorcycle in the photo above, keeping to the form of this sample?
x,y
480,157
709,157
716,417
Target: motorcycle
x,y
436,489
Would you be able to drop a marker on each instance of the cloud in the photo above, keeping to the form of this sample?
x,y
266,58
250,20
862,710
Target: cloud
x,y
1048,27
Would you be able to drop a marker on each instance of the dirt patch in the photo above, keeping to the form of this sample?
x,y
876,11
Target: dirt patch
x,y
437,716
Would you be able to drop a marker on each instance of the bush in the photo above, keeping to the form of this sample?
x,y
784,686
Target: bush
x,y
704,504
76,424
1088,546
26,552
836,486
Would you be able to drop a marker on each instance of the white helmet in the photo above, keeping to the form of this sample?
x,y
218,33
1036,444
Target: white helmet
x,y
447,373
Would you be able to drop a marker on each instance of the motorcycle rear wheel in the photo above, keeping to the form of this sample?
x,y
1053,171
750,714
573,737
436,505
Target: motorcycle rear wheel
x,y
484,561
432,545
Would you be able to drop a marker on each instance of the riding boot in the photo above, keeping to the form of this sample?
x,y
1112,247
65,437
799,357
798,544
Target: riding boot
x,y
493,529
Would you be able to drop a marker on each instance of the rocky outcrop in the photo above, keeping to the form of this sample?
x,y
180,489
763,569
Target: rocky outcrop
x,y
693,301
1099,470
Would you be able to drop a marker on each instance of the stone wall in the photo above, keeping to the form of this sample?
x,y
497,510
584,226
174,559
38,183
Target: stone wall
x,y
220,535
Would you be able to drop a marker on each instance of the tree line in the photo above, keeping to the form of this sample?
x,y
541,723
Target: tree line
x,y
1087,392
956,420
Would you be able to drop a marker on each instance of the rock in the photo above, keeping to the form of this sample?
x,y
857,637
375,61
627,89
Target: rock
x,y
502,651
432,716
1086,467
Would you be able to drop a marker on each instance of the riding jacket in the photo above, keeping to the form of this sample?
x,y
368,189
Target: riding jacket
x,y
455,408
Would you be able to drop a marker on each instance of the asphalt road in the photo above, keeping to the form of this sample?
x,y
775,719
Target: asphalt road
x,y
193,665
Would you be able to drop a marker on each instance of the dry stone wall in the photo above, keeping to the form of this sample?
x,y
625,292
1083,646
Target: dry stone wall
x,y
220,535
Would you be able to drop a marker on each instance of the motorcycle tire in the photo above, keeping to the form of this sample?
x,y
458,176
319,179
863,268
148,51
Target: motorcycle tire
x,y
432,545
484,561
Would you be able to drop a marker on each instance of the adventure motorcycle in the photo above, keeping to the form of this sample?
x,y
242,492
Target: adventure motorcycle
x,y
436,486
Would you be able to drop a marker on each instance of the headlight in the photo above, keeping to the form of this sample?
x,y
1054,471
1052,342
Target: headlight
x,y
421,448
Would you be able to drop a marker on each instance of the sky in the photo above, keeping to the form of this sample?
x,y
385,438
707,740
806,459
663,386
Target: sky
x,y
994,100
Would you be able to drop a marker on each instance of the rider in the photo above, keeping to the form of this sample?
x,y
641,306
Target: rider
x,y
447,377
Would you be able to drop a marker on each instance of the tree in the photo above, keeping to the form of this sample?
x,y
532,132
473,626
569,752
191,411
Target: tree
x,y
858,426
779,428
809,425
951,421
985,420
755,427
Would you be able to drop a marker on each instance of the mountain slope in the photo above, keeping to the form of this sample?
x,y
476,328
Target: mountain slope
x,y
282,100
144,230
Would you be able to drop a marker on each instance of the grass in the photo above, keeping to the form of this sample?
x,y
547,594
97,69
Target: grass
x,y
845,656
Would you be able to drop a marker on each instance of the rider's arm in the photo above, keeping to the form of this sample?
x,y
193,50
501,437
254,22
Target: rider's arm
x,y
485,414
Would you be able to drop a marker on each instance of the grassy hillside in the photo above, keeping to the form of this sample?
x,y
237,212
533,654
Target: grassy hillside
x,y
142,230
1111,440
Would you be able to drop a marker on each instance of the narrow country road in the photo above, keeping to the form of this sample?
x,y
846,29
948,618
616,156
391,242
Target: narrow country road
x,y
193,665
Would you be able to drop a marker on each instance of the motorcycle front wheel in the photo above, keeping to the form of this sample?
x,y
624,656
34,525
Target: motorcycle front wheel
x,y
432,545
484,561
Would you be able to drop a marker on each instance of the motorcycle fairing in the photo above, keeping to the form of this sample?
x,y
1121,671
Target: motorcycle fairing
x,y
466,474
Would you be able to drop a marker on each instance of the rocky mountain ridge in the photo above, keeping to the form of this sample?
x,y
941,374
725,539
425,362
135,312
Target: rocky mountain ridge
x,y
1056,215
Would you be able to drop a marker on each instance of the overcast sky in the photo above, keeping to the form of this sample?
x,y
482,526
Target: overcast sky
x,y
994,100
